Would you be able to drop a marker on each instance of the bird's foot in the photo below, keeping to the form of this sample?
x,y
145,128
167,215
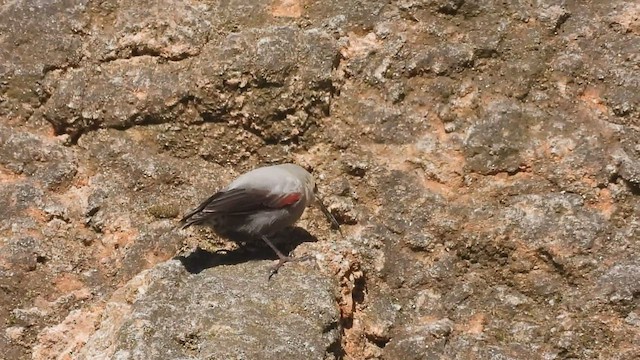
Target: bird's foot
x,y
285,259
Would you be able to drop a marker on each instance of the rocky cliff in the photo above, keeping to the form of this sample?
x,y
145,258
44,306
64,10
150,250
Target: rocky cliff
x,y
483,158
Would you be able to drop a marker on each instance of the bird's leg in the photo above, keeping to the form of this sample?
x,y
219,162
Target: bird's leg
x,y
282,257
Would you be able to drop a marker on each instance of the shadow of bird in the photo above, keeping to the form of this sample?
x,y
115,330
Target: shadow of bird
x,y
249,250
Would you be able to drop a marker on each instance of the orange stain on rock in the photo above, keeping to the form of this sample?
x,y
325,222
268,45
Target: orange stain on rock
x,y
155,257
287,8
80,181
140,95
36,214
559,252
475,325
392,157
67,283
501,180
437,188
591,97
604,203
360,45
64,341
114,241
438,171
8,176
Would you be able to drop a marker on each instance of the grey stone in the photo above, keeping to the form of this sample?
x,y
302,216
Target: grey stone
x,y
46,160
620,283
225,312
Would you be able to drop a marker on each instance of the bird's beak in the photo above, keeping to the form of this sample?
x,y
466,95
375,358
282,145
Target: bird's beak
x,y
334,223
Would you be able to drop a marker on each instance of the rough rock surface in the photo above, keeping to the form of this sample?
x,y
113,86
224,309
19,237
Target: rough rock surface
x,y
222,313
483,158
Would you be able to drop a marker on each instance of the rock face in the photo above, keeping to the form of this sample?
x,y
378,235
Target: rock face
x,y
231,312
483,158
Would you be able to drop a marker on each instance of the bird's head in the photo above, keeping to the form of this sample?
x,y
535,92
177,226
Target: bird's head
x,y
311,192
305,177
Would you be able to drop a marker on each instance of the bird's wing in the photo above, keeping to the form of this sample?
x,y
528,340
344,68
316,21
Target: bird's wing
x,y
239,201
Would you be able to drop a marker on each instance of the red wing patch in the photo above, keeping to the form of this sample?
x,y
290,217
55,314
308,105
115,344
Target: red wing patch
x,y
289,199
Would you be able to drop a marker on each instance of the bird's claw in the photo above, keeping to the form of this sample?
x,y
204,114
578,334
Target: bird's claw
x,y
285,259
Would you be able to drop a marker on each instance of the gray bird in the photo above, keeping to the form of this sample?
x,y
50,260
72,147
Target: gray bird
x,y
260,203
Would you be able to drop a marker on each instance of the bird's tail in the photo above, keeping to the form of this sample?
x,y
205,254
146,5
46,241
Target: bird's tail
x,y
197,216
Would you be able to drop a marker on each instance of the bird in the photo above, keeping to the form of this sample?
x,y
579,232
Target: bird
x,y
259,204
